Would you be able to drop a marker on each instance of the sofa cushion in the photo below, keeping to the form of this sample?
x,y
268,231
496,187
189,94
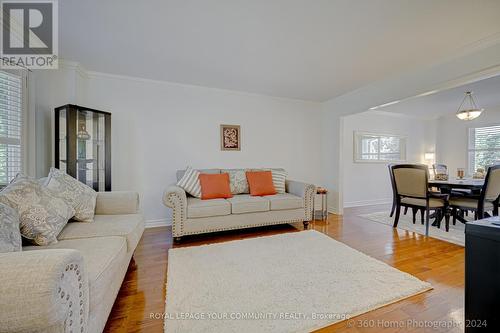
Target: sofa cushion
x,y
10,235
215,186
42,215
190,182
104,257
285,201
260,183
205,208
237,181
244,203
129,226
78,195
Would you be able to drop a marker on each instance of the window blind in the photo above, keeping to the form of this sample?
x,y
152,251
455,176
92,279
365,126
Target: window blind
x,y
484,147
11,127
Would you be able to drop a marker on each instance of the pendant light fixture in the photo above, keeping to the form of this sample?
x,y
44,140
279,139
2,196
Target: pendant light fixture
x,y
468,109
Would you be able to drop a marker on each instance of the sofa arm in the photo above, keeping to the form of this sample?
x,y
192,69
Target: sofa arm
x,y
305,191
43,291
117,202
175,198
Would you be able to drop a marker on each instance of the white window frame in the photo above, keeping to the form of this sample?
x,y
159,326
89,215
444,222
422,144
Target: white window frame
x,y
27,124
472,150
358,135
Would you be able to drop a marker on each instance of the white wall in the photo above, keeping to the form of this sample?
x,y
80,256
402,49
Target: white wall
x,y
159,127
452,136
369,183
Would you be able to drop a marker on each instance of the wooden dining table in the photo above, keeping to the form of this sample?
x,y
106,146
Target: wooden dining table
x,y
445,186
465,183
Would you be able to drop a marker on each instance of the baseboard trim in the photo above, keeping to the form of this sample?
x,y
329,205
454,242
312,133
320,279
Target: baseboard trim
x,y
367,202
158,223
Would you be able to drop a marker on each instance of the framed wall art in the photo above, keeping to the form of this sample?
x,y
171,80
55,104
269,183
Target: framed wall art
x,y
230,137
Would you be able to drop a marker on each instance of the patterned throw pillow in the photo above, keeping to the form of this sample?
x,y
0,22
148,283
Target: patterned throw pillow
x,y
279,179
42,216
190,182
237,181
10,235
78,195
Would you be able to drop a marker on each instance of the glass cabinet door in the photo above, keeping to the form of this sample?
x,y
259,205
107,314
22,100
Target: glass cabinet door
x,y
62,142
91,149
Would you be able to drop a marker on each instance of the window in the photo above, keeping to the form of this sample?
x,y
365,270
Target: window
x,y
369,147
484,147
11,126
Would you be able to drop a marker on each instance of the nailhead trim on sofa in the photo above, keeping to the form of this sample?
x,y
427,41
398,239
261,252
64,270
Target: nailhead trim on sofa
x,y
68,296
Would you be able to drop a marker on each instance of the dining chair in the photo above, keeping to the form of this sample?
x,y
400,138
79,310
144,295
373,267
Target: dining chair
x,y
487,201
414,212
411,184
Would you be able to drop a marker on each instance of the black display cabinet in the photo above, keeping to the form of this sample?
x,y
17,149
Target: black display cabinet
x,y
83,145
482,275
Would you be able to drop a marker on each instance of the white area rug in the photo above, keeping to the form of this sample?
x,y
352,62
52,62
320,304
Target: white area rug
x,y
294,282
455,235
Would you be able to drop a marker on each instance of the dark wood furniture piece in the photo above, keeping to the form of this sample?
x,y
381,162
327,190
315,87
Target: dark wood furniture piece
x,y
83,145
482,276
394,200
487,200
411,185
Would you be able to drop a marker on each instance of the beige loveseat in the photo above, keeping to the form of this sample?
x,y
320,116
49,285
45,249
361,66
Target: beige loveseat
x,y
71,286
191,215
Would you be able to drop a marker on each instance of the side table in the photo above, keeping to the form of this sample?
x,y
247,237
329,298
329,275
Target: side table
x,y
323,213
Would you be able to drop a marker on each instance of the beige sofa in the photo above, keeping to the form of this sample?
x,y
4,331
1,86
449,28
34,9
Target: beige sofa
x,y
191,215
71,286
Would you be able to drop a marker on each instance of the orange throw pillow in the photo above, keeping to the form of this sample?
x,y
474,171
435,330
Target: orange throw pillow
x,y
215,186
260,183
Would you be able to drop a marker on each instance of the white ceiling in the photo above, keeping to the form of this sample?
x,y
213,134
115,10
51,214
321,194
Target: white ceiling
x,y
486,92
303,49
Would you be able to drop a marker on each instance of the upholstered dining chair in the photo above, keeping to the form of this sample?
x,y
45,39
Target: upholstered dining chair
x,y
394,199
412,190
487,201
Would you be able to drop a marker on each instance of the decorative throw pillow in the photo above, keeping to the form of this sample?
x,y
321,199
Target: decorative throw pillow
x,y
10,235
78,195
237,181
215,186
260,183
279,180
42,216
190,182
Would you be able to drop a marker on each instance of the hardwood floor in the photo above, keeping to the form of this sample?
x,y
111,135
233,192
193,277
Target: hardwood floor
x,y
442,264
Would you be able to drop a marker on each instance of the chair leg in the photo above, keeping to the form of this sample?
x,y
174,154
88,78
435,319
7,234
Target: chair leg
x,y
414,214
406,210
454,213
422,213
393,208
427,220
396,219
